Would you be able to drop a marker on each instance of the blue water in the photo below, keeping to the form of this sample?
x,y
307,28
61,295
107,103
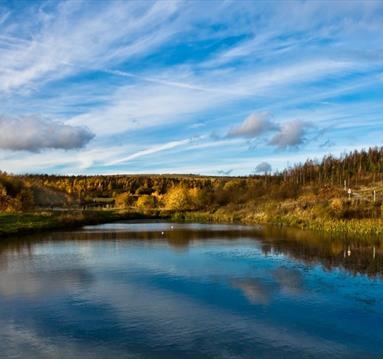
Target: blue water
x,y
127,290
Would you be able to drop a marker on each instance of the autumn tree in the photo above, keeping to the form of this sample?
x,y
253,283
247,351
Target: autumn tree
x,y
124,200
177,198
146,202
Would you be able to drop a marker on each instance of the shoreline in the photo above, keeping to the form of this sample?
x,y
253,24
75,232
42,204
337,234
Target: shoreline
x,y
370,230
15,224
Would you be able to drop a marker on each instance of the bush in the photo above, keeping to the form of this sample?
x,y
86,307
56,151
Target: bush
x,y
146,202
337,207
124,200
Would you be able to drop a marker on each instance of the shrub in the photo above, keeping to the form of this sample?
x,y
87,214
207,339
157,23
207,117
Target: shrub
x,y
124,200
337,207
146,202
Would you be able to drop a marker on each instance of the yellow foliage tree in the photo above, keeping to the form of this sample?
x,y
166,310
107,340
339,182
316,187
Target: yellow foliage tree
x,y
177,198
146,202
195,197
123,200
232,185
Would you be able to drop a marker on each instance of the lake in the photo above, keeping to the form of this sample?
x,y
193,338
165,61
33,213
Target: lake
x,y
170,290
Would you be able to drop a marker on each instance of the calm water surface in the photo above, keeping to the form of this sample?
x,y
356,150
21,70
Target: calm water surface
x,y
126,290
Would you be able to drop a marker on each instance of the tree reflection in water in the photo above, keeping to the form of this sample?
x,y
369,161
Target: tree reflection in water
x,y
355,255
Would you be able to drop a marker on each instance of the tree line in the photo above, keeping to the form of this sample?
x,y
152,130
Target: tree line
x,y
356,168
26,192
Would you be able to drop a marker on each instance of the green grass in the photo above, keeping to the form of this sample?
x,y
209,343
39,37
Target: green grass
x,y
366,228
20,223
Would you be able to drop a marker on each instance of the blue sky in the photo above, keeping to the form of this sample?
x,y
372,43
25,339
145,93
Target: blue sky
x,y
225,87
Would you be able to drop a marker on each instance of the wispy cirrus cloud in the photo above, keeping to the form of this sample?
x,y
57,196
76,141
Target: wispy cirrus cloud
x,y
152,101
161,68
151,150
75,36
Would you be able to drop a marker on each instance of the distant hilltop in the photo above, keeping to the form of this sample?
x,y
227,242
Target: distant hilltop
x,y
344,188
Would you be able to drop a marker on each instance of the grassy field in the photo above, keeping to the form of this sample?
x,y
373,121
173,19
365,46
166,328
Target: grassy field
x,y
368,229
23,223
20,223
304,212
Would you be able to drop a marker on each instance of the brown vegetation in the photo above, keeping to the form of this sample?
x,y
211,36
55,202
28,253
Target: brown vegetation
x,y
313,193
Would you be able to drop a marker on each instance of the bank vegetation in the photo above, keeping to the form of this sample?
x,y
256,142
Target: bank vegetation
x,y
334,195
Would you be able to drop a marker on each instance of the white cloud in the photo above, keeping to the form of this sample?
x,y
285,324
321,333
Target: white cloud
x,y
71,39
263,167
150,151
253,126
156,100
290,134
144,106
34,134
268,62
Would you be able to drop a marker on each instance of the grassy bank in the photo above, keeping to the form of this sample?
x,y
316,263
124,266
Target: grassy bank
x,y
365,228
336,196
24,223
270,213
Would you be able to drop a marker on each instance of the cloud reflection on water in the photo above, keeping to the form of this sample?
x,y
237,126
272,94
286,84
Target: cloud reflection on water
x,y
254,290
129,294
37,284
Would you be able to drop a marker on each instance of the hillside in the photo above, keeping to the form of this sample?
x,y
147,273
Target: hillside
x,y
314,194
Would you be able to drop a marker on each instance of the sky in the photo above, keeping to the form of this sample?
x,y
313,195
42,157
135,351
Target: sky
x,y
203,87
